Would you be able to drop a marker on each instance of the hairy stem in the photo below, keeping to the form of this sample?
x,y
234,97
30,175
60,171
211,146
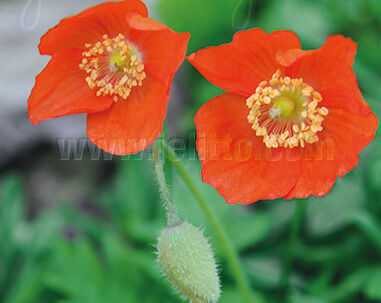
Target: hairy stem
x,y
170,209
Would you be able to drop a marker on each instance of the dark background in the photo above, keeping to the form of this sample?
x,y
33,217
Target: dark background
x,y
84,230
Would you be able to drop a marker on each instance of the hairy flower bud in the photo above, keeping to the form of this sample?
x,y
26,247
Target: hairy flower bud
x,y
187,261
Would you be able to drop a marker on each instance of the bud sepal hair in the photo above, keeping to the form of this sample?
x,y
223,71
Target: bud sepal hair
x,y
187,261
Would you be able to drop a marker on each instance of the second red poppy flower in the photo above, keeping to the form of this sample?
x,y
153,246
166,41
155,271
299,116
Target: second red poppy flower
x,y
290,122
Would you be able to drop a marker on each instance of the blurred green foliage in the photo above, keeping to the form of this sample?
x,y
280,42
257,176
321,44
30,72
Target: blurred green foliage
x,y
70,255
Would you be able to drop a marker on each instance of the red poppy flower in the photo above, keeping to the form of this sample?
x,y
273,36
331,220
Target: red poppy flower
x,y
116,65
290,122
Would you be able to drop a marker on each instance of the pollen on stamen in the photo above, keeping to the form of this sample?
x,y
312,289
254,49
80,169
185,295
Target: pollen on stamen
x,y
113,66
286,112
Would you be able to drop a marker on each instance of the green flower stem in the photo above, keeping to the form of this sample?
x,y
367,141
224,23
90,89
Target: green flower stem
x,y
231,253
170,209
296,224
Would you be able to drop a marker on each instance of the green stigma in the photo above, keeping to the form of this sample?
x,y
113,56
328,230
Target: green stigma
x,y
283,108
118,62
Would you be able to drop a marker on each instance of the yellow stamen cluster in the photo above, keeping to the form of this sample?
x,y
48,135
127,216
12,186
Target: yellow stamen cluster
x,y
285,112
113,67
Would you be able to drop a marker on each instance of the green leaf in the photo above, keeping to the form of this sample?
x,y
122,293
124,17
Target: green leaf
x,y
207,21
81,259
247,230
373,286
28,287
369,226
332,212
230,295
13,233
302,298
11,211
349,286
264,271
132,207
308,20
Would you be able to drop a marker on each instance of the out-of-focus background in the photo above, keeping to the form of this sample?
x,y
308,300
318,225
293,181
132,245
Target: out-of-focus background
x,y
81,226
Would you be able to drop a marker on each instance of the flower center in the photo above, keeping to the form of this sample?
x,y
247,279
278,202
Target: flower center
x,y
285,112
113,66
283,108
118,62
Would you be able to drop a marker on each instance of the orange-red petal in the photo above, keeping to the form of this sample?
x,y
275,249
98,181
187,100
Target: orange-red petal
x,y
162,50
130,125
90,25
61,89
239,66
329,71
234,160
344,136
